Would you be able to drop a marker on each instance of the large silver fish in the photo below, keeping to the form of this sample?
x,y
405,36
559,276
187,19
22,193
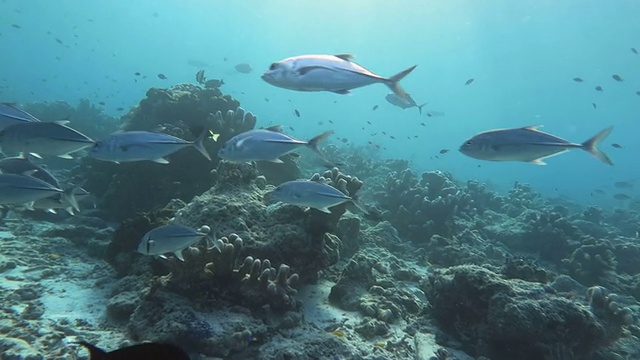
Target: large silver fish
x,y
22,165
10,114
24,189
393,99
528,144
312,194
266,145
43,138
171,239
129,146
334,73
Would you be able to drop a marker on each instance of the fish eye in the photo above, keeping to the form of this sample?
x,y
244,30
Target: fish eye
x,y
469,143
273,66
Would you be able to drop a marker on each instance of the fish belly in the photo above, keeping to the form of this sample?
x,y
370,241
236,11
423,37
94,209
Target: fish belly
x,y
333,80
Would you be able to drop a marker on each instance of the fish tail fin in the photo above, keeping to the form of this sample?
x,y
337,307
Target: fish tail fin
x,y
420,108
315,142
355,201
95,353
69,195
199,143
591,146
394,84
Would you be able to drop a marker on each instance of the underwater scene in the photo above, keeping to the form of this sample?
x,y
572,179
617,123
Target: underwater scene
x,y
327,180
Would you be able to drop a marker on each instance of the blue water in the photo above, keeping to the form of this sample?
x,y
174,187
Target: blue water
x,y
522,55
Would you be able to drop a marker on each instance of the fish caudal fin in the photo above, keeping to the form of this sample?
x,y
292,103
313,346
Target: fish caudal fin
x,y
420,108
394,84
199,143
69,195
315,142
95,353
358,204
591,146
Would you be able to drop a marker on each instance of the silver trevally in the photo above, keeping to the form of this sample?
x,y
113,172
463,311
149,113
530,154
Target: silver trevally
x,y
43,138
51,204
312,194
22,165
10,114
335,73
171,239
266,145
393,99
21,189
128,146
528,144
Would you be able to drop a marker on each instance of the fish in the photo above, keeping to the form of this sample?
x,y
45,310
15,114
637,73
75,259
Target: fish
x,y
10,114
393,99
638,92
528,144
213,83
594,105
435,113
623,184
468,82
127,146
59,41
200,77
375,107
334,73
155,351
295,111
171,238
243,68
313,195
621,196
22,165
24,189
266,145
633,50
617,77
43,138
137,73
444,151
598,88
577,79
616,145
162,76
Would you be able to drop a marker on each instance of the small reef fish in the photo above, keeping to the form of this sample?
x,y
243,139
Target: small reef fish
x,y
468,82
334,73
137,352
126,146
43,138
213,83
599,88
577,79
623,184
393,99
527,144
616,145
435,114
24,189
617,77
200,77
633,50
295,111
312,194
375,107
266,145
621,197
162,77
172,239
10,114
243,68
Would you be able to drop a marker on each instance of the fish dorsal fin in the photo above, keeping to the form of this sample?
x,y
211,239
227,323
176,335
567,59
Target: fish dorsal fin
x,y
275,128
533,127
345,57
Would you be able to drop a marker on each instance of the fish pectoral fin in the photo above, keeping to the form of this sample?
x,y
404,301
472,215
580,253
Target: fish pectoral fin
x,y
161,161
345,57
537,162
307,69
275,161
324,210
36,155
178,254
65,156
69,210
341,92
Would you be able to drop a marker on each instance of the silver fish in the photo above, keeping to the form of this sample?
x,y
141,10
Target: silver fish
x,y
312,194
170,239
243,68
527,144
21,189
22,165
43,138
334,73
10,114
393,99
266,145
129,146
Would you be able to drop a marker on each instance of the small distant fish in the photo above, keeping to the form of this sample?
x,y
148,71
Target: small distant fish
x,y
162,77
330,121
102,103
135,352
616,145
621,196
127,146
243,68
334,73
393,99
598,88
633,50
213,83
594,105
312,194
423,124
444,151
345,140
638,93
598,192
434,113
527,144
577,79
136,73
43,138
266,145
617,77
375,107
266,99
120,109
16,26
623,184
468,82
295,111
200,77
171,239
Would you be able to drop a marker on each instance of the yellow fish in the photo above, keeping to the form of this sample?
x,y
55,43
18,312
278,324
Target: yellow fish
x,y
213,136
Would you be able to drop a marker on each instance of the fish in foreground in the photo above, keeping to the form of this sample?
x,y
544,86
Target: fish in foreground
x,y
129,146
43,138
393,99
154,351
24,189
266,145
334,73
312,194
172,239
528,144
10,114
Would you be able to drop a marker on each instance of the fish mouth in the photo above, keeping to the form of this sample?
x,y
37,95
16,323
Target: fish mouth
x,y
267,77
